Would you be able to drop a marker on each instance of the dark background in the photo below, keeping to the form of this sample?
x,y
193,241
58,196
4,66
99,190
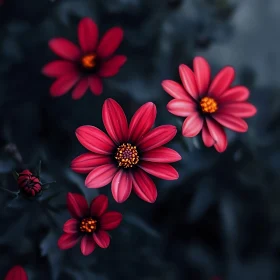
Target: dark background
x,y
221,217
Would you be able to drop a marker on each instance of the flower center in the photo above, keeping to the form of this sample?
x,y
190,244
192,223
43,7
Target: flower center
x,y
208,105
89,61
127,155
88,225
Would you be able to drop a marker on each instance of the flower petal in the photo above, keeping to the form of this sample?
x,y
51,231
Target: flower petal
x,y
238,109
176,90
65,49
142,121
188,80
67,241
206,137
58,68
157,137
181,108
110,42
87,35
95,85
87,245
161,154
144,187
112,66
202,74
99,205
77,205
115,121
71,226
222,81
102,238
16,273
231,122
192,125
64,84
110,220
80,89
121,186
95,140
234,94
101,176
161,170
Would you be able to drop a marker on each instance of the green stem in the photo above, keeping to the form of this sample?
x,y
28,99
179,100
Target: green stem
x,y
15,194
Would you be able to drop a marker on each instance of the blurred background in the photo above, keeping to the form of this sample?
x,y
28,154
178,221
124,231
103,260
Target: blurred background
x,y
220,218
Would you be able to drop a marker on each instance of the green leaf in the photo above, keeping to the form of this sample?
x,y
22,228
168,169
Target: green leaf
x,y
16,175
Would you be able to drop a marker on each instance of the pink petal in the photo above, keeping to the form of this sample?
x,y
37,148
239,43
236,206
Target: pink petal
x,y
80,89
95,140
77,205
157,137
231,122
142,121
64,84
238,109
121,186
206,137
59,68
218,134
67,241
110,220
71,226
181,108
161,170
16,273
161,154
112,66
188,80
110,42
99,205
101,176
222,81
234,94
115,121
88,35
192,125
87,245
95,85
102,239
202,74
144,187
65,49
176,90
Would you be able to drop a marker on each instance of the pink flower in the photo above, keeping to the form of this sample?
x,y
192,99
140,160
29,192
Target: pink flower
x,y
16,273
209,105
84,67
127,153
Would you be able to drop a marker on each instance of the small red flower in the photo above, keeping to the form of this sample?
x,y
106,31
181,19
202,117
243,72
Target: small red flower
x,y
128,154
28,183
209,105
16,273
88,224
84,66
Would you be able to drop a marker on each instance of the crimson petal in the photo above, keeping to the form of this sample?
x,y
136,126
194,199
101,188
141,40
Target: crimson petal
x,y
161,170
71,226
181,108
176,90
112,66
87,245
58,68
161,154
206,137
16,273
63,84
77,205
192,125
95,85
202,74
99,205
110,220
67,241
235,94
231,122
102,238
121,186
238,109
80,89
188,80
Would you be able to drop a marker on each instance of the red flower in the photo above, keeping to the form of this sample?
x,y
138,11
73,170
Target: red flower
x,y
85,66
16,273
88,224
209,105
28,183
128,154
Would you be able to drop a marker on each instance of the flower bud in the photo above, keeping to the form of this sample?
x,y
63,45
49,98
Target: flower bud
x,y
28,183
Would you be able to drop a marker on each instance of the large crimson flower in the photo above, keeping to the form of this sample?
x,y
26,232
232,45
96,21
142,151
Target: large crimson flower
x,y
88,224
85,66
16,273
128,154
209,105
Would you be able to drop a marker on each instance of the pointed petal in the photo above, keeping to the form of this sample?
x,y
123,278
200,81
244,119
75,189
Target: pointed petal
x,y
176,90
102,238
87,35
121,186
144,187
77,205
67,241
157,137
192,125
235,94
188,80
101,176
95,140
222,81
231,122
115,121
65,49
206,137
238,109
110,220
142,121
112,66
181,108
63,84
59,68
218,134
202,74
161,154
16,273
99,205
161,170
71,226
95,85
80,89
110,42
87,245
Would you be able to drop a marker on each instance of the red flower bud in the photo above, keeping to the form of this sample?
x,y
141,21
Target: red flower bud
x,y
28,183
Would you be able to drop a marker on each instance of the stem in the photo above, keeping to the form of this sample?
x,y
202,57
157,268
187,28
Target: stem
x,y
15,194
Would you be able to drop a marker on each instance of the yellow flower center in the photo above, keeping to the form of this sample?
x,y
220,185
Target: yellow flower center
x,y
208,105
127,155
88,225
89,61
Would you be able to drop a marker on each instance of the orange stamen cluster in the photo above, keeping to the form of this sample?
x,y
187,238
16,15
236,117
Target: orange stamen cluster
x,y
208,105
88,225
89,61
127,155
